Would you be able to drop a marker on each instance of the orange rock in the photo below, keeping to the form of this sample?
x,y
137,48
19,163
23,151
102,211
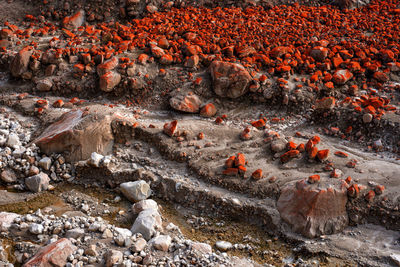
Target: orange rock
x,y
58,103
208,110
170,127
166,59
342,76
242,170
323,154
314,179
240,160
258,124
200,136
289,155
229,163
353,191
291,145
218,120
313,152
370,196
379,189
348,180
341,154
325,103
257,174
75,21
301,147
315,139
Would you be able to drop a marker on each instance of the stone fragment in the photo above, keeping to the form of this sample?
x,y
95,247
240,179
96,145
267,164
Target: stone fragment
x,y
187,103
19,64
202,248
109,81
36,228
223,245
54,254
6,219
143,205
139,245
37,183
208,110
314,209
13,140
325,103
161,242
147,223
45,163
74,21
229,79
136,191
44,85
278,145
95,159
113,257
170,127
75,233
8,176
107,66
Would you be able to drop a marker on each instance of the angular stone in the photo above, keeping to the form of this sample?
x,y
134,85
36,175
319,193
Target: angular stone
x,y
314,209
45,163
136,191
223,245
139,245
20,63
208,110
342,76
202,248
229,79
113,257
54,254
78,136
13,140
109,80
75,233
44,85
37,183
186,103
147,223
107,66
161,242
95,159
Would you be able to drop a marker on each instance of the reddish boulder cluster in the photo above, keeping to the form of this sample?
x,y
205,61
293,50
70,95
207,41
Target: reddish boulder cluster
x,y
235,165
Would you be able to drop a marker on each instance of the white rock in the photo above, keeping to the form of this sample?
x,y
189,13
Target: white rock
x,y
161,242
45,163
36,228
395,258
8,176
95,159
37,183
143,205
202,248
13,140
125,233
75,233
223,245
136,191
6,219
147,223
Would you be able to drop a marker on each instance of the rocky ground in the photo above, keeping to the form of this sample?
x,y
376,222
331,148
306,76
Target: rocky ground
x,y
194,133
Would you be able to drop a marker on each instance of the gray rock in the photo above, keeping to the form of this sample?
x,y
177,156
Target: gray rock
x,y
278,145
223,245
36,228
37,183
202,248
147,223
20,63
367,118
136,191
44,85
75,233
6,219
45,163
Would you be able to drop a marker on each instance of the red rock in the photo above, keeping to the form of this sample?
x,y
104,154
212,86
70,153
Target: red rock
x,y
257,174
230,162
218,120
109,81
58,103
242,170
291,145
166,59
370,196
348,180
240,160
353,191
187,103
75,21
208,110
245,135
258,124
229,79
280,51
313,152
143,58
54,254
301,148
319,53
315,139
200,136
231,171
342,76
157,51
323,154
289,155
341,154
314,209
314,179
379,189
380,76
170,127
19,64
107,66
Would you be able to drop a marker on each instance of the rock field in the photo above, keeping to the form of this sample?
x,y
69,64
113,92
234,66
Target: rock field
x,y
199,133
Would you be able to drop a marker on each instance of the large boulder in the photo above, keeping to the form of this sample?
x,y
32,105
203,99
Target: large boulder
x,y
147,223
19,64
109,81
37,183
229,79
186,103
314,209
54,254
78,134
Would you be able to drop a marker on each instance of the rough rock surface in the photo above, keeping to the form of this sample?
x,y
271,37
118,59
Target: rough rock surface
x,y
187,103
147,223
314,209
136,191
229,79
